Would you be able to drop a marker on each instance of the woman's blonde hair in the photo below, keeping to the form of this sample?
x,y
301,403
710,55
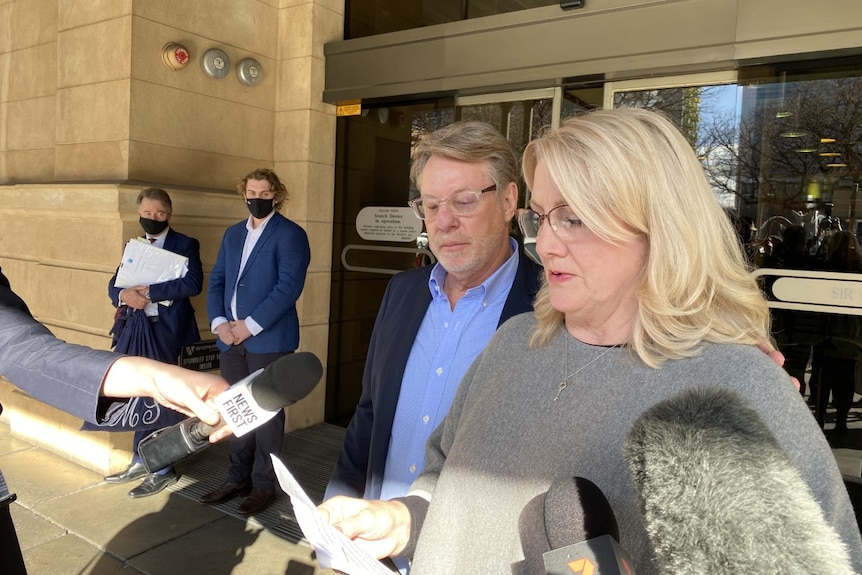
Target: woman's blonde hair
x,y
628,174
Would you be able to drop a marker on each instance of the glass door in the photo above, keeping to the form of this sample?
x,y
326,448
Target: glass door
x,y
782,147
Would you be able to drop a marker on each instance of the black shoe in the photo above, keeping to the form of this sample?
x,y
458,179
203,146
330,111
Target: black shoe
x,y
225,492
154,483
135,470
257,501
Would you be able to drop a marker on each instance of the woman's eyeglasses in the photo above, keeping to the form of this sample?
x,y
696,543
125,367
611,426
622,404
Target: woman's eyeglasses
x,y
563,221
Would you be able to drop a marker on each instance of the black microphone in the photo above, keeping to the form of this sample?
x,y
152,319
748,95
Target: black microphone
x,y
720,496
244,407
573,528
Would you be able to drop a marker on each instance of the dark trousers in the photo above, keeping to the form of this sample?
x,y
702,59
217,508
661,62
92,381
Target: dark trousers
x,y
838,376
249,454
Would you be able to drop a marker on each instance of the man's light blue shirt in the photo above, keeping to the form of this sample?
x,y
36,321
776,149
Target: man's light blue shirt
x,y
447,343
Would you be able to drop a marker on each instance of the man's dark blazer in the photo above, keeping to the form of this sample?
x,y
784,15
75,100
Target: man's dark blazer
x,y
271,282
359,469
177,325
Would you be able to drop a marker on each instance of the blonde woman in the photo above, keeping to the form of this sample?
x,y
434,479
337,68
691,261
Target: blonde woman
x,y
646,294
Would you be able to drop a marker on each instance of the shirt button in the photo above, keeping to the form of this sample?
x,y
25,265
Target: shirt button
x,y
446,324
484,304
413,469
439,371
426,419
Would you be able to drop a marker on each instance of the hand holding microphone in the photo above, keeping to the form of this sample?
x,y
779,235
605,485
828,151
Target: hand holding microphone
x,y
244,407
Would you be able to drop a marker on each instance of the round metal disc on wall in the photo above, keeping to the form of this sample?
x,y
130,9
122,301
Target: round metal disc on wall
x,y
215,63
175,56
249,72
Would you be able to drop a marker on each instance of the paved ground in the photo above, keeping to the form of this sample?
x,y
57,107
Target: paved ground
x,y
70,522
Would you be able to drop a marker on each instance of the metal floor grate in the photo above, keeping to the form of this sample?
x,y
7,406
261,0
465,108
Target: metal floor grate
x,y
309,454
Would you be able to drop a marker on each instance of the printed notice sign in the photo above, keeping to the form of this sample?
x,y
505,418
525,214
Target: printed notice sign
x,y
388,224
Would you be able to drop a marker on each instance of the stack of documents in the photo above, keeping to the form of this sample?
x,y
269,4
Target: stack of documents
x,y
145,264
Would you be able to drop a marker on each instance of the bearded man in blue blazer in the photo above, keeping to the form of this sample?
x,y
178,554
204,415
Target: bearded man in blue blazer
x,y
251,301
163,310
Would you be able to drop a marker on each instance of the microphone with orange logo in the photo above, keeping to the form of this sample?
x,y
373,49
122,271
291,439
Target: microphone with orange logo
x,y
575,510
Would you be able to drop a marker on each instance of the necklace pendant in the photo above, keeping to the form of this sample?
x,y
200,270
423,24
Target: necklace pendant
x,y
560,389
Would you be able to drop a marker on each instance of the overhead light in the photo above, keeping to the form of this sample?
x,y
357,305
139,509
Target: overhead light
x,y
827,140
836,165
805,150
813,190
792,134
783,114
829,154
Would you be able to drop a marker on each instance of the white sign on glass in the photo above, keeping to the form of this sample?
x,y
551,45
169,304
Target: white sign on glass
x,y
388,224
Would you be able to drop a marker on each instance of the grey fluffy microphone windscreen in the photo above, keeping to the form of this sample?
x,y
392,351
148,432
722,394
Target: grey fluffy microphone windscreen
x,y
720,496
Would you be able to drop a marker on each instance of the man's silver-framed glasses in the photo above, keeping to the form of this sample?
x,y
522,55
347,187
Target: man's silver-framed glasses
x,y
563,221
461,203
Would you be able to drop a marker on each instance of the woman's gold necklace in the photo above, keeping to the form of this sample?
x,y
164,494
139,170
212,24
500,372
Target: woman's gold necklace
x,y
564,383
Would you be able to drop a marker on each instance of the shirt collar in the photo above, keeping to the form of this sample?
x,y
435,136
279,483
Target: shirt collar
x,y
263,222
161,236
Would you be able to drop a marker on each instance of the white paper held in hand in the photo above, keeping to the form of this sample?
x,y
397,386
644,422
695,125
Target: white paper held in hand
x,y
333,549
145,264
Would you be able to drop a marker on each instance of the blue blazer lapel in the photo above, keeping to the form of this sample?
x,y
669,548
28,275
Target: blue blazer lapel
x,y
524,288
268,232
171,240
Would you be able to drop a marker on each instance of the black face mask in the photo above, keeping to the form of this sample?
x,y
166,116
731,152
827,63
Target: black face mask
x,y
259,207
153,227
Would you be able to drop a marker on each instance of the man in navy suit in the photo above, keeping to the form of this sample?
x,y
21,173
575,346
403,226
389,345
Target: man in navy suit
x,y
436,319
251,301
170,318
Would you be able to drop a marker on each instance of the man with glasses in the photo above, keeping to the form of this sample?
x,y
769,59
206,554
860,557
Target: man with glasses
x,y
436,319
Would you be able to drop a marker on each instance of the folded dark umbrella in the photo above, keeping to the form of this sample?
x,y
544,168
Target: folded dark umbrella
x,y
133,335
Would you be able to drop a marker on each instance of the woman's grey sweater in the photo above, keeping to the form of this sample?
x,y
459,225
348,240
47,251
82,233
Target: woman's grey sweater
x,y
505,440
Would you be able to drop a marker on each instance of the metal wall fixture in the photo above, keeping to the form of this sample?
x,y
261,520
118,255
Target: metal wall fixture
x,y
249,72
216,63
175,56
